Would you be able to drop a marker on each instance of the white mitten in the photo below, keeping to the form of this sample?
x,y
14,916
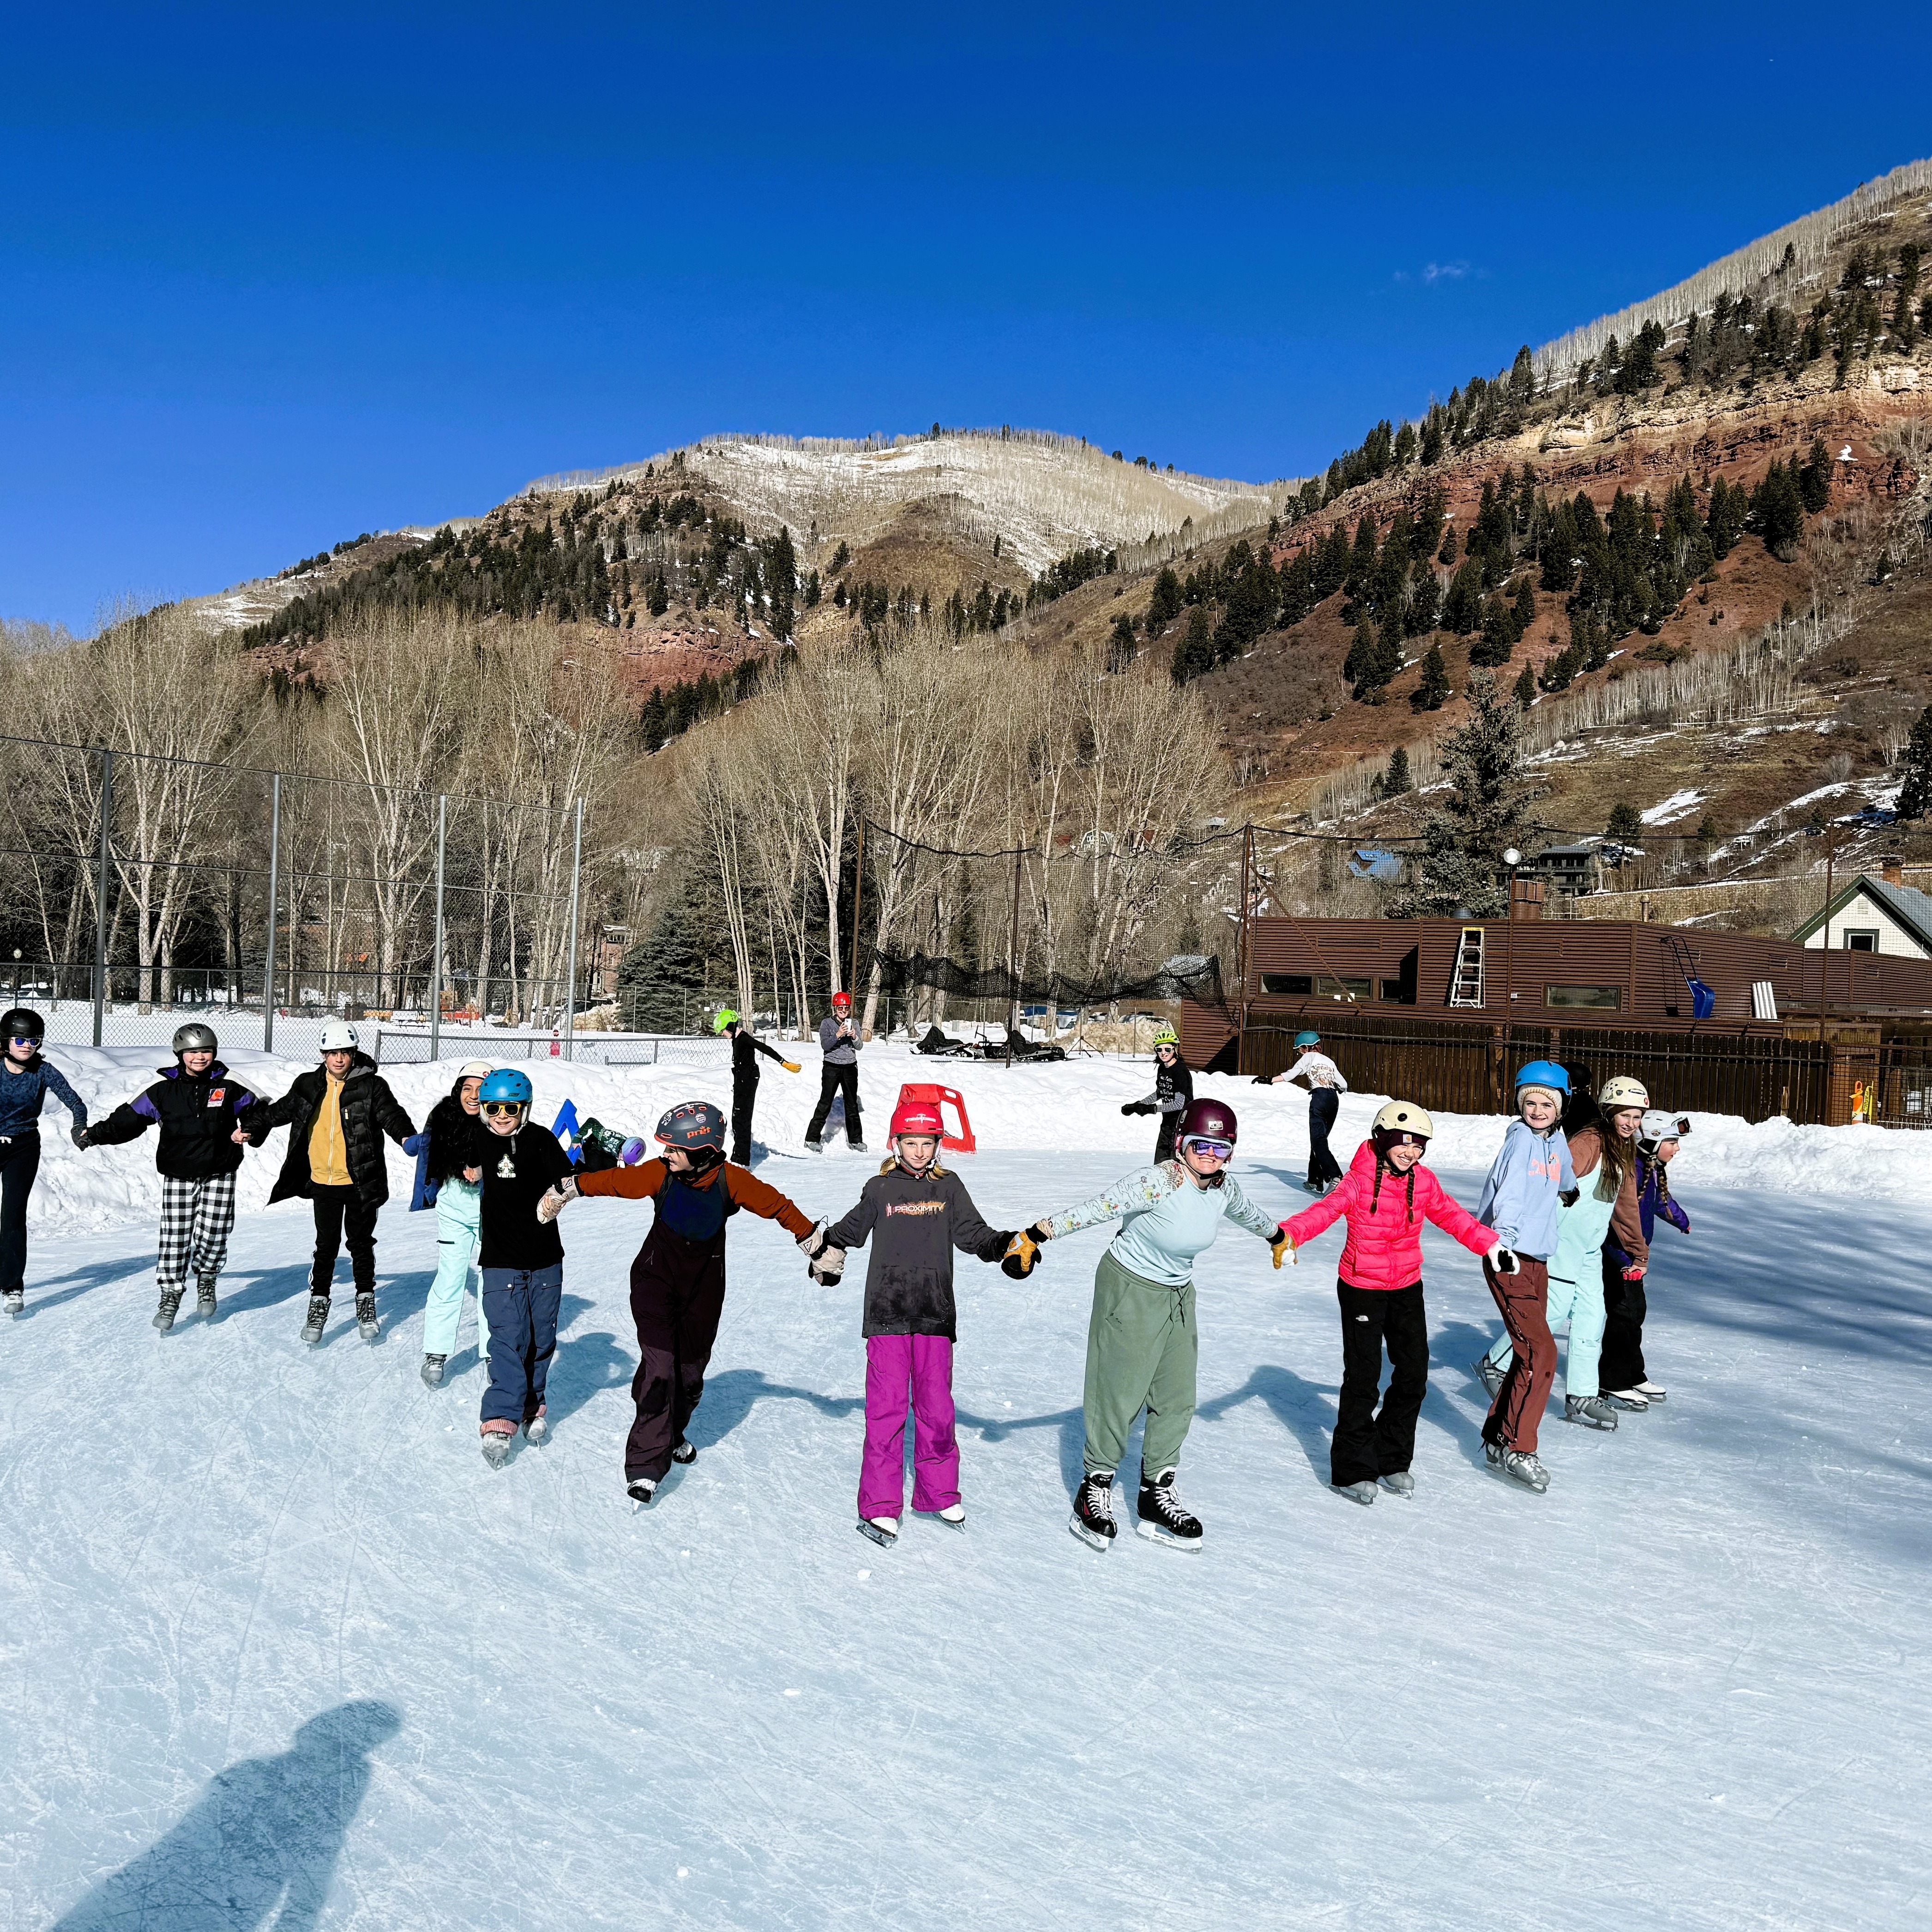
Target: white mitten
x,y
551,1205
1502,1259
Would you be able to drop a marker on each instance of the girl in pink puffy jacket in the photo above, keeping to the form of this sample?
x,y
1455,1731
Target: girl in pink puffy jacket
x,y
1386,1195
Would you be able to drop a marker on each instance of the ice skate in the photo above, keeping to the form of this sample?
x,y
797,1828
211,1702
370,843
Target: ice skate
x,y
204,1297
883,1530
1094,1510
432,1370
685,1453
164,1315
953,1515
367,1325
1521,1466
1588,1411
814,1147
1165,1519
14,1301
1356,1493
1401,1483
318,1319
1651,1391
497,1438
858,1147
537,1429
1489,1375
1633,1400
1492,1455
641,1489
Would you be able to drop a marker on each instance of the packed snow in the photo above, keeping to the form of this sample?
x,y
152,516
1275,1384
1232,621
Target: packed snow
x,y
279,1649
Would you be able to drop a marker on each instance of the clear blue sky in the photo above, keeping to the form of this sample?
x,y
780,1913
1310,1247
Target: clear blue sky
x,y
271,277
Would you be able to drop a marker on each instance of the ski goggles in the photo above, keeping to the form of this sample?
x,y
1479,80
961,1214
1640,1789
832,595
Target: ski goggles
x,y
1213,1149
497,1110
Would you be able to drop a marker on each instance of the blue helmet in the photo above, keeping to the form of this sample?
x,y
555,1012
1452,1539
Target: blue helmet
x,y
506,1084
1544,1073
1308,1039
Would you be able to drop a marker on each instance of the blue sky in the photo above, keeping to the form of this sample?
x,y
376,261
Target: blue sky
x,y
269,277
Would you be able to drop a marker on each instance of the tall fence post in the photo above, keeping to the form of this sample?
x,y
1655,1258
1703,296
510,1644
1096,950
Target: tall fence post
x,y
101,895
436,950
570,985
274,896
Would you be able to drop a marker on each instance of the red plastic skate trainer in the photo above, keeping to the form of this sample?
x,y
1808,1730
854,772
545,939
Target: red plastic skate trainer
x,y
962,1142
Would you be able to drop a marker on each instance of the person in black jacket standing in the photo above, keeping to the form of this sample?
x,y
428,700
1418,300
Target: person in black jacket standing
x,y
25,1082
1173,1092
199,1106
745,1048
337,1116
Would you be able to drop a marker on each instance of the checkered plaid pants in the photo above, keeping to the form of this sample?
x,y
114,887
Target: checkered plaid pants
x,y
196,1217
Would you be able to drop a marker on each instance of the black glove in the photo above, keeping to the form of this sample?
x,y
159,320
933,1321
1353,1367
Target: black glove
x,y
1131,1107
83,1137
1569,1196
1022,1255
1264,1079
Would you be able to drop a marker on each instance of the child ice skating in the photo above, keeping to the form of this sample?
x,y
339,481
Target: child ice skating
x,y
1626,1381
449,1178
1603,1155
1326,1086
745,1048
1143,1347
1521,1200
677,1280
203,1110
25,1082
915,1213
1386,1195
838,1041
337,1115
522,1256
1173,1090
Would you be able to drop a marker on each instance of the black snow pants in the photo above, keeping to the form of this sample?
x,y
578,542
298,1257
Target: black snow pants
x,y
677,1296
744,1098
340,1211
19,1162
1367,1445
1323,1105
832,1081
1624,1306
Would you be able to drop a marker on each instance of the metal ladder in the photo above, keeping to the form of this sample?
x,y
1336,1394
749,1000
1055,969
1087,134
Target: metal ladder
x,y
1465,988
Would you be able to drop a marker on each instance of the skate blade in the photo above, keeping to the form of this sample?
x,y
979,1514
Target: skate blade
x,y
1166,1538
1092,1538
1585,1422
873,1533
370,1332
1348,1493
536,1438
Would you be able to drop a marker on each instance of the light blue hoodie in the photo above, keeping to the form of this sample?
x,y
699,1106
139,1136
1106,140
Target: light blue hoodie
x,y
1519,1199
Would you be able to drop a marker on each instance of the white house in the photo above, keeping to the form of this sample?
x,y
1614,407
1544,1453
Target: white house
x,y
1873,915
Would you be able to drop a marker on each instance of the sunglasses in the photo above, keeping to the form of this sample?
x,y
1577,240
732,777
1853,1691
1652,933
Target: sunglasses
x,y
1167,1046
498,1109
1213,1149
26,1039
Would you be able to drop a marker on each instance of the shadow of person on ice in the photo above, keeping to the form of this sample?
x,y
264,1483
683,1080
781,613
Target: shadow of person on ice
x,y
266,1833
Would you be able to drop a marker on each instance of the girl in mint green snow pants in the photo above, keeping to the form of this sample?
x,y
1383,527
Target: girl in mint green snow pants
x,y
445,1160
1142,1344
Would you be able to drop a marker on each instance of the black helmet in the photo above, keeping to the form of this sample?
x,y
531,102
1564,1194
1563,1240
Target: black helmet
x,y
21,1023
694,1126
196,1038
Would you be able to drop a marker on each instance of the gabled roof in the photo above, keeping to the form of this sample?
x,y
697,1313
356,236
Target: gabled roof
x,y
1910,907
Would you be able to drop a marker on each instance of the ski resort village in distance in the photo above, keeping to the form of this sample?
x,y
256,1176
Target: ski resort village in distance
x,y
945,994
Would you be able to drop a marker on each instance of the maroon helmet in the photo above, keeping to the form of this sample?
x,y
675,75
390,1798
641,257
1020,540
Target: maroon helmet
x,y
693,1125
1208,1120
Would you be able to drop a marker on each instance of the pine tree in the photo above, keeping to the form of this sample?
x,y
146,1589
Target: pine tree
x,y
1624,822
1525,686
1432,693
1461,863
1914,793
1120,646
1396,780
1462,607
1194,649
781,578
1814,479
1165,603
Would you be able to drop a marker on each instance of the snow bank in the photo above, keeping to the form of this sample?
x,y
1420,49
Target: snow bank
x,y
1074,1103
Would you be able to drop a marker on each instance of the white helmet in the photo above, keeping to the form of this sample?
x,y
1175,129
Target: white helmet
x,y
1404,1117
1656,1127
339,1036
1620,1091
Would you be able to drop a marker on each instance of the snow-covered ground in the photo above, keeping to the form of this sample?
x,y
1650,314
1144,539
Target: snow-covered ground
x,y
277,1648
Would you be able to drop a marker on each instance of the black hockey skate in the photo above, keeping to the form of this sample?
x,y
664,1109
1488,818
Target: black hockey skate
x,y
369,1328
204,1297
1164,1518
1590,1411
684,1452
164,1315
432,1370
1094,1510
1489,1375
318,1319
641,1489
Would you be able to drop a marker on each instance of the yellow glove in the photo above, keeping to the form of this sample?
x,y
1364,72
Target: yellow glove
x,y
790,1065
1282,1245
1022,1255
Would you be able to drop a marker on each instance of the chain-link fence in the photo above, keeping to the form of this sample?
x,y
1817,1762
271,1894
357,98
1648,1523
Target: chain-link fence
x,y
137,890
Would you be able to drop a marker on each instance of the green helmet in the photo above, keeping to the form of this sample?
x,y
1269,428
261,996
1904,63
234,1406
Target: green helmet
x,y
726,1018
1166,1036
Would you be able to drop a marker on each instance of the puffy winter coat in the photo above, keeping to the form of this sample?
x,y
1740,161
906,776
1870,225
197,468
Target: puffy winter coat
x,y
369,1111
197,1114
1386,1211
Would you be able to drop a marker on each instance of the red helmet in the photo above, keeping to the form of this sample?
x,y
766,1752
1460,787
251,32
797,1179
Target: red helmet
x,y
1208,1120
841,1003
917,1117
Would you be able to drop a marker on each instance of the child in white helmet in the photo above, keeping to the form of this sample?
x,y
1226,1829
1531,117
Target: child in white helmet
x,y
1626,1381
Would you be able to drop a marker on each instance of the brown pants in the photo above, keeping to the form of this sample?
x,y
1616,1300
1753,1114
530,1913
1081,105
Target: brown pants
x,y
1523,1297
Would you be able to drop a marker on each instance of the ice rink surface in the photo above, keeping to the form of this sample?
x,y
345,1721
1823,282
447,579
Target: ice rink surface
x,y
279,1650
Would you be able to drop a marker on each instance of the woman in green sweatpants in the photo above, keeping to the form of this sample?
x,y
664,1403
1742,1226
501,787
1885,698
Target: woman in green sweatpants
x,y
1142,1344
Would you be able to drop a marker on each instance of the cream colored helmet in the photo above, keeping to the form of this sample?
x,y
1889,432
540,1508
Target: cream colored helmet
x,y
1619,1091
1404,1117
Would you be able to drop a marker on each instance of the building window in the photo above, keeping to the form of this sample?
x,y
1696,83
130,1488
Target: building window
x,y
1343,988
1288,982
1858,939
1397,991
1600,999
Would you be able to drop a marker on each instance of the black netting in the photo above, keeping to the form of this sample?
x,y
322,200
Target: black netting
x,y
1191,975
